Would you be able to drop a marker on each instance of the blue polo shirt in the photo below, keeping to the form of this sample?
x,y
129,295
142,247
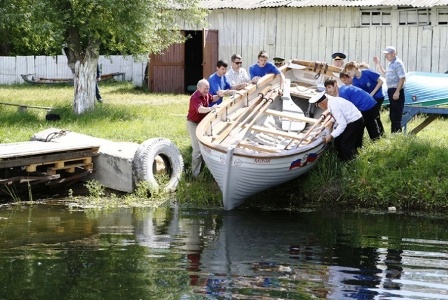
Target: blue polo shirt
x,y
368,82
360,98
217,83
269,68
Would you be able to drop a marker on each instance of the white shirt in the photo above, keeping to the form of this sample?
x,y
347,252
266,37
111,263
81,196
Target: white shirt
x,y
344,112
237,77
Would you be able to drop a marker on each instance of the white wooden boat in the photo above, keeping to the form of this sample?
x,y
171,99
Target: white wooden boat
x,y
258,139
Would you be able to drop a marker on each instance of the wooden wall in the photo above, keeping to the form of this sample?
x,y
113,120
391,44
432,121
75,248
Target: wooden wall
x,y
314,33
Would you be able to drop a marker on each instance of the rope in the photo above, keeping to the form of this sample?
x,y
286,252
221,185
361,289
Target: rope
x,y
55,135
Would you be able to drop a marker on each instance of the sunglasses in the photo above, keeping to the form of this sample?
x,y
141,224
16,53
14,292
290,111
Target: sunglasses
x,y
238,62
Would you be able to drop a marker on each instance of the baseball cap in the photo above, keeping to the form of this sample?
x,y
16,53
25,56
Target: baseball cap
x,y
389,49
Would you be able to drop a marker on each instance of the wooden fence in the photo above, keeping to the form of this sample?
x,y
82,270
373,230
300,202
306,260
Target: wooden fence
x,y
56,67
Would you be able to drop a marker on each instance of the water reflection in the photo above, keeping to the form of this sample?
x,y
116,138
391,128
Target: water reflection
x,y
49,252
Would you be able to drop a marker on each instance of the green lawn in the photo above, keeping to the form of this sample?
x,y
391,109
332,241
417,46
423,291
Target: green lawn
x,y
408,172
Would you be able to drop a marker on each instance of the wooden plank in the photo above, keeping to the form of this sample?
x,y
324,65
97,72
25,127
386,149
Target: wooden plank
x,y
69,168
276,132
294,117
24,149
259,148
26,161
69,165
26,106
425,123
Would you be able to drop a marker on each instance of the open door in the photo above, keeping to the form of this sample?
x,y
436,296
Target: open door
x,y
166,70
181,66
210,52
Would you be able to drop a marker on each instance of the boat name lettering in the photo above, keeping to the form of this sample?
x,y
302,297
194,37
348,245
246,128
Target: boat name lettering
x,y
262,160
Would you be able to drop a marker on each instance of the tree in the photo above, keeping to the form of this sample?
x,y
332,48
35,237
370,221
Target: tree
x,y
83,26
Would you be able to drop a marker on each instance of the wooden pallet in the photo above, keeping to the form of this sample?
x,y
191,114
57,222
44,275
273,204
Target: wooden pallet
x,y
65,165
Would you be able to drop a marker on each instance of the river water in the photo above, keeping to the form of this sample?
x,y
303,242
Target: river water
x,y
50,252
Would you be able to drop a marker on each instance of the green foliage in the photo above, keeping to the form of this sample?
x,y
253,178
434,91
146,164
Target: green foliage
x,y
403,170
322,185
96,189
202,191
117,26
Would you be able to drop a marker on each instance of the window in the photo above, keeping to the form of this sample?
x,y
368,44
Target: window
x,y
414,16
442,16
375,17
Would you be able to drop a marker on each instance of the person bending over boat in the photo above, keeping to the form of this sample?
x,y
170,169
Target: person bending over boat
x,y
218,82
237,76
361,99
345,78
263,67
370,82
348,127
199,107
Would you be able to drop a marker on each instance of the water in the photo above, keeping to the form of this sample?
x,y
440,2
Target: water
x,y
49,252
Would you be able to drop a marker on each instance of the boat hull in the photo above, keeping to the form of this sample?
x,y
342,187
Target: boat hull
x,y
240,176
424,89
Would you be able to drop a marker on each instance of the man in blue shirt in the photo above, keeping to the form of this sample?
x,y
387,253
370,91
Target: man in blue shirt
x,y
263,67
361,99
395,79
218,83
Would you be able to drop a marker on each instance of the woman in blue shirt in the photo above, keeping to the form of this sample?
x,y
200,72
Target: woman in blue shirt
x,y
370,82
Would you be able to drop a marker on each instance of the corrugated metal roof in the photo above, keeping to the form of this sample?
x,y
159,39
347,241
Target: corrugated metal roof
x,y
252,4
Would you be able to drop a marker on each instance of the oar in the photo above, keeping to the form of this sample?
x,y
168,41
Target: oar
x,y
322,117
323,120
252,113
267,102
324,124
222,136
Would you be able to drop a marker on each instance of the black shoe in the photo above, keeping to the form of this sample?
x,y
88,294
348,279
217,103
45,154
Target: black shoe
x,y
100,100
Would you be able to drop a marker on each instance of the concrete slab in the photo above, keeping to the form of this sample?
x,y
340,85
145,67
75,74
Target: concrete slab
x,y
114,163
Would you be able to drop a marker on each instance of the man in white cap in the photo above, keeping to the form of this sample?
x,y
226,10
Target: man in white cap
x,y
348,124
395,78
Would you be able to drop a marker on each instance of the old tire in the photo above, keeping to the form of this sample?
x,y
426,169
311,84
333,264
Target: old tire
x,y
145,165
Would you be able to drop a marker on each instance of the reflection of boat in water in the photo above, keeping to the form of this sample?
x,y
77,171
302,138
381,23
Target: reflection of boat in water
x,y
248,254
424,89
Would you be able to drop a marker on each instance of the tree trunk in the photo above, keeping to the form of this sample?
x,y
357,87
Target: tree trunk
x,y
85,84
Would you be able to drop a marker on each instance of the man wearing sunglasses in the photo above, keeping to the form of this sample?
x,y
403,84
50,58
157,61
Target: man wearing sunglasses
x,y
236,75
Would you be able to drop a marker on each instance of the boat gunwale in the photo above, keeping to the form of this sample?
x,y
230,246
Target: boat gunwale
x,y
230,102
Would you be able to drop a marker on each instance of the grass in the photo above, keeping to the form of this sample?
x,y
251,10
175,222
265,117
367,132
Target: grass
x,y
400,170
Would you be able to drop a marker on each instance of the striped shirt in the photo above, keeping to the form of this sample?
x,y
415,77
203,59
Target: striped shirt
x,y
395,71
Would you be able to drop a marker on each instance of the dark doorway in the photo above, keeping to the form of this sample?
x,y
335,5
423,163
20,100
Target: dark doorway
x,y
193,60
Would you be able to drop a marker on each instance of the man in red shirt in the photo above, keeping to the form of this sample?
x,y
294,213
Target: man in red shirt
x,y
198,109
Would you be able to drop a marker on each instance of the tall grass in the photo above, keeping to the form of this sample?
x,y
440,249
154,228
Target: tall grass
x,y
401,170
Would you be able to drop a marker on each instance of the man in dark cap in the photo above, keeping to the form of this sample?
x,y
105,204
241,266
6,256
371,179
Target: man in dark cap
x,y
338,59
279,61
